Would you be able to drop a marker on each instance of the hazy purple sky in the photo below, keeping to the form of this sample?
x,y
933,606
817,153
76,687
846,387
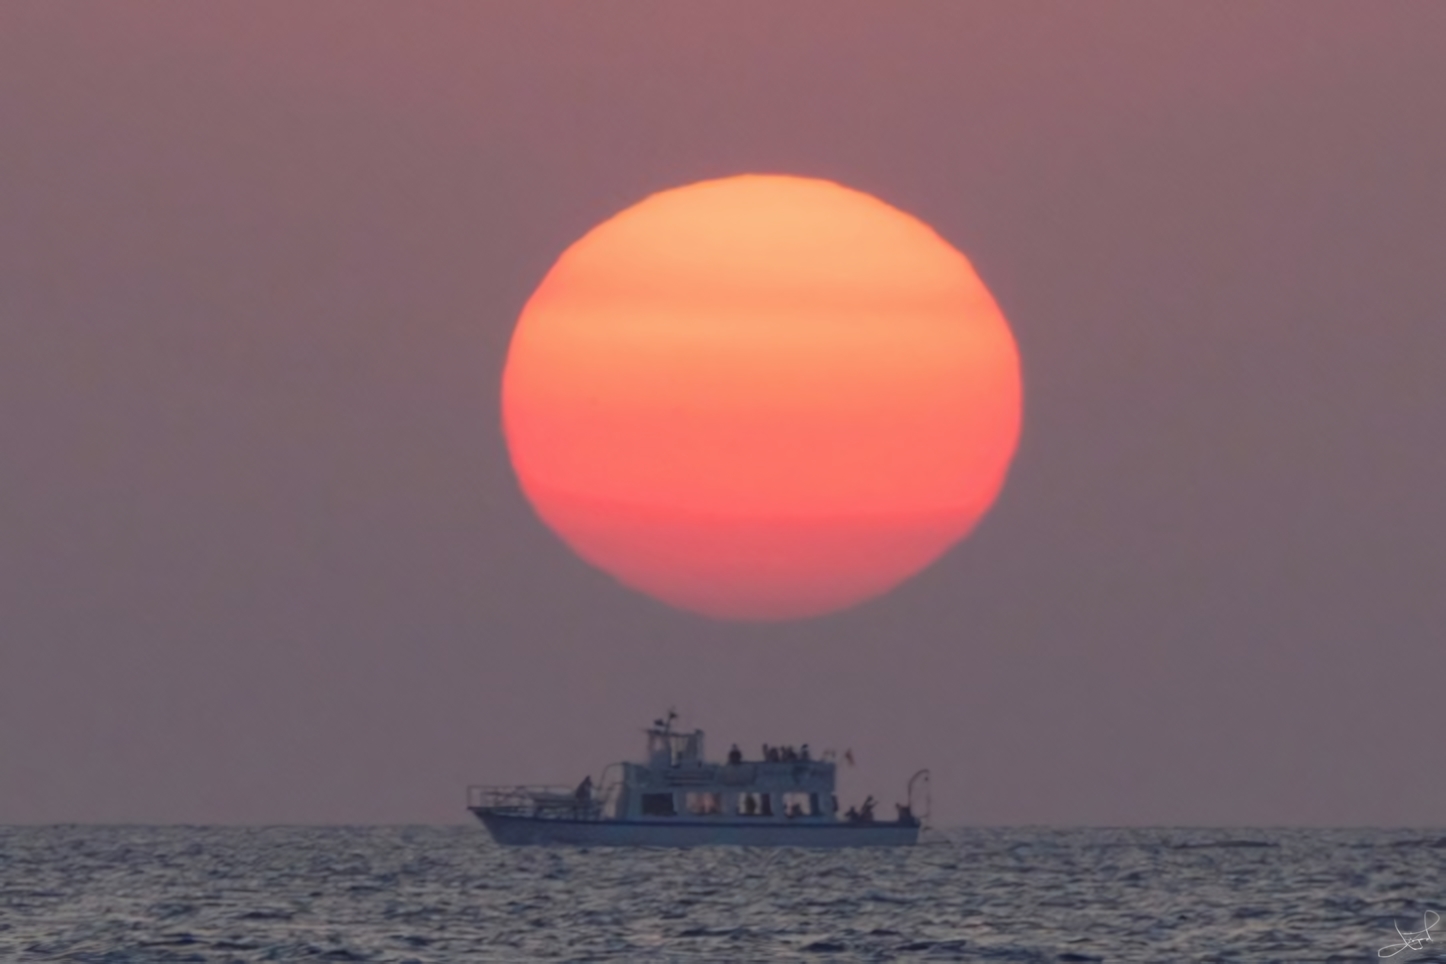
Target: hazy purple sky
x,y
262,557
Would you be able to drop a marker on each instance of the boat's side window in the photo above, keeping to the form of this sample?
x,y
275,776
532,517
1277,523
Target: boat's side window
x,y
755,804
658,805
704,803
800,804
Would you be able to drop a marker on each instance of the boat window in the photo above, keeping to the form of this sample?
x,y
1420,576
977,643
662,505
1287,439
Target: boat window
x,y
658,805
800,804
704,803
687,747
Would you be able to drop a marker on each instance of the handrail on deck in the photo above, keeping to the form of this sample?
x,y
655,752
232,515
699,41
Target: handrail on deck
x,y
538,800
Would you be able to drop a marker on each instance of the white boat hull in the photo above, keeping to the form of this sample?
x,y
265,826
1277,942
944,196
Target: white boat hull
x,y
522,830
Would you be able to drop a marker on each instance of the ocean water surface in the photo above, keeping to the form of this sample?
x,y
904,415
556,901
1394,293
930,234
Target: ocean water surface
x,y
442,894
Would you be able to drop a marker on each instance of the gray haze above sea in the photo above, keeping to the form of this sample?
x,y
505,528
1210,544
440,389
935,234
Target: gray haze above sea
x,y
431,894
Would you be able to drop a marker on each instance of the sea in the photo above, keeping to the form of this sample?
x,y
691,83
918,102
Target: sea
x,y
132,894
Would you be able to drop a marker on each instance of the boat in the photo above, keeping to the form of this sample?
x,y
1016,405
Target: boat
x,y
677,798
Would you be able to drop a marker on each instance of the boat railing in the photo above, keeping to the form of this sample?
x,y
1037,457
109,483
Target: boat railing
x,y
738,774
557,802
690,777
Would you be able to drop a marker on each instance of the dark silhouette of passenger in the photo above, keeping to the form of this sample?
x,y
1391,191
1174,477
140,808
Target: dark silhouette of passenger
x,y
851,815
766,801
735,755
583,794
750,805
906,815
803,753
866,812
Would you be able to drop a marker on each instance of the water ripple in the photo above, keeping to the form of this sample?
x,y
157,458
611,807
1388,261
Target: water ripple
x,y
409,895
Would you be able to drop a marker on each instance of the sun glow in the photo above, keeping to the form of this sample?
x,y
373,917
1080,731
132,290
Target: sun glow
x,y
761,397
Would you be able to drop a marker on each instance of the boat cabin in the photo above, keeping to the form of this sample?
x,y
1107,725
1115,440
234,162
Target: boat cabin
x,y
677,782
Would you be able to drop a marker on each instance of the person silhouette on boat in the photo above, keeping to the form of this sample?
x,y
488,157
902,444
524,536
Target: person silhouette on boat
x,y
735,756
583,793
866,812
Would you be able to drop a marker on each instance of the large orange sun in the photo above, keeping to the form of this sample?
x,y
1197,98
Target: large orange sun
x,y
761,397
